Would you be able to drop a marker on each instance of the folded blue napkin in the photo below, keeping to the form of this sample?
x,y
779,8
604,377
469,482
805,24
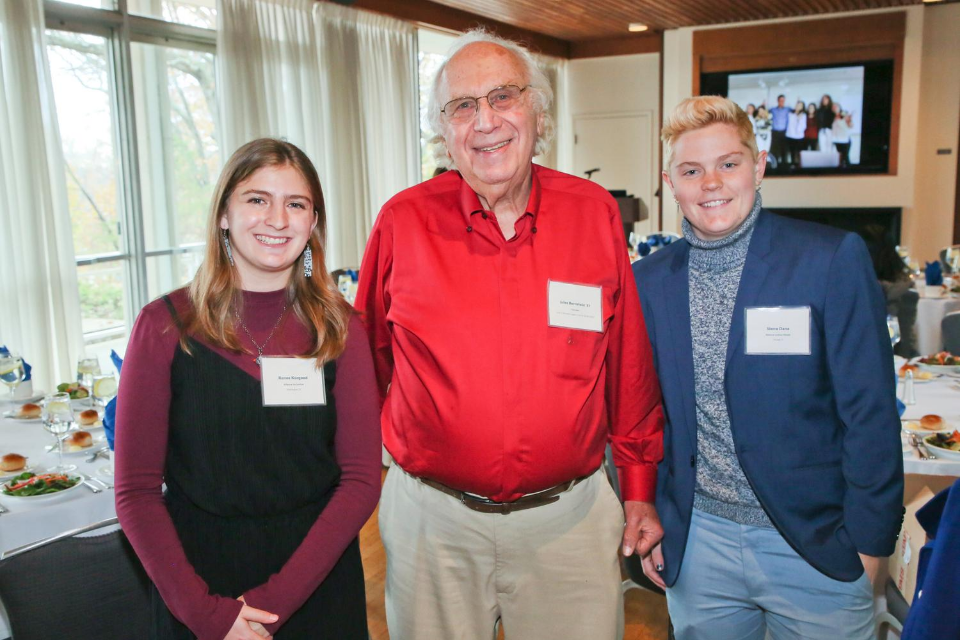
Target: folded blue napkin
x,y
654,240
110,411
643,249
900,406
933,274
26,367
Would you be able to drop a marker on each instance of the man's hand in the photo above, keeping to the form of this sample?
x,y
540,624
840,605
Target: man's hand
x,y
652,566
871,565
642,530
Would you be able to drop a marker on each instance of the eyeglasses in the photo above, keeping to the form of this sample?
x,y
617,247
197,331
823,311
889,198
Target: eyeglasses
x,y
500,99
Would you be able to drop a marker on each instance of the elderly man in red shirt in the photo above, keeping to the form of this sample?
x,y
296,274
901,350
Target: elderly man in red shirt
x,y
510,348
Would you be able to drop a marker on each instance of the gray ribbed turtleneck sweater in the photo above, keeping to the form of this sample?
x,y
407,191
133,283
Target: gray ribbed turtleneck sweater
x,y
715,269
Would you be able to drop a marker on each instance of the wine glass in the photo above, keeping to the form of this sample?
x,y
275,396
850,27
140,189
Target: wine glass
x,y
57,419
86,369
893,327
11,372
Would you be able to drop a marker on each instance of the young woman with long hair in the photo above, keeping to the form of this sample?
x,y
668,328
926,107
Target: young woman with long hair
x,y
250,394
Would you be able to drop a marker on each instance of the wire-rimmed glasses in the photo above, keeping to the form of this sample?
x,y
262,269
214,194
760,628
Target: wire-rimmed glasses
x,y
500,99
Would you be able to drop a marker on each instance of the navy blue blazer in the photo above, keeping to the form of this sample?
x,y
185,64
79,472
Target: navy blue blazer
x,y
817,436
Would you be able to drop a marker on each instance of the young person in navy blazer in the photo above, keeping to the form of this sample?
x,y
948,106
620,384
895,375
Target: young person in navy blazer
x,y
781,486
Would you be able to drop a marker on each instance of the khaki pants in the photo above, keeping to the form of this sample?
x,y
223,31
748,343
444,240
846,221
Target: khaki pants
x,y
548,573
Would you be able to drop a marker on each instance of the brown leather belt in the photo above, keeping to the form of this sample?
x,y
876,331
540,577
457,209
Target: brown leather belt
x,y
529,501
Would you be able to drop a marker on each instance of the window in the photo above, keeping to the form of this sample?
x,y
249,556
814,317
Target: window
x,y
433,47
139,129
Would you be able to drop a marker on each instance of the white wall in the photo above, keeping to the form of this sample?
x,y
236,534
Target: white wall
x,y
930,111
619,85
928,223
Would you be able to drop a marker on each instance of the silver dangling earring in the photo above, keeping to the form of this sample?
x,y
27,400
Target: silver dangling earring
x,y
758,188
307,262
226,243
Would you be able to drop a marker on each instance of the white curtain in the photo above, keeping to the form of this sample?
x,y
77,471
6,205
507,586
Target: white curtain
x,y
339,83
39,302
560,155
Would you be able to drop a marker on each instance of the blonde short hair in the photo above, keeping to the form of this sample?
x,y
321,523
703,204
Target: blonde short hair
x,y
701,111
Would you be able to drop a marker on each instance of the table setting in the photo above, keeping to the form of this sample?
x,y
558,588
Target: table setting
x,y
931,395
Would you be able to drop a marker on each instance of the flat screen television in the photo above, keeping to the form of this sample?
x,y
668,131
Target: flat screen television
x,y
845,124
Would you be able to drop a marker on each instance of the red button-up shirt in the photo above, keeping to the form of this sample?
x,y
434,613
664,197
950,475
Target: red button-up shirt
x,y
483,395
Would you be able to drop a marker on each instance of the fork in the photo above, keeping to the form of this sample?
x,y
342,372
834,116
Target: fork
x,y
921,448
101,483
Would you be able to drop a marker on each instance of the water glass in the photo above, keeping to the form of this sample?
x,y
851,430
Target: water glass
x,y
86,369
11,372
104,388
58,419
893,327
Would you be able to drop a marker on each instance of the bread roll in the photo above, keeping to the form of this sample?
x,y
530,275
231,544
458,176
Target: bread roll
x,y
908,367
931,422
80,439
30,410
88,417
12,462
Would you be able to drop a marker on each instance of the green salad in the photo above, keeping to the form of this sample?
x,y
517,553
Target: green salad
x,y
30,484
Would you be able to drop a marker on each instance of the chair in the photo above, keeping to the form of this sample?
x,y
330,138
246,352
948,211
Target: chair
x,y
631,564
82,588
950,329
895,614
907,317
950,259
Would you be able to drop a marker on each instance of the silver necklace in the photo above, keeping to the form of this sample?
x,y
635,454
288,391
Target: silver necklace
x,y
249,335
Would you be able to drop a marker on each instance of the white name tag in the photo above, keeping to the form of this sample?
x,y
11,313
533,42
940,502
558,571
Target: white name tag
x,y
291,382
575,306
778,331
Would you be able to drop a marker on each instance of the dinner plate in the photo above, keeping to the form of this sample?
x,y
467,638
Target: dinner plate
x,y
15,415
939,368
98,442
945,454
6,475
47,497
920,379
36,397
913,426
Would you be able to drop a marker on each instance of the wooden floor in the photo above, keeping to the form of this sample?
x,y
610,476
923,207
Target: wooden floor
x,y
646,613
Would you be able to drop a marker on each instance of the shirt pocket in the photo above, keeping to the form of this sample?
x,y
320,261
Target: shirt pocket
x,y
575,354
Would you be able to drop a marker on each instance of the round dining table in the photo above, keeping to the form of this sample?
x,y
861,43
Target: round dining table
x,y
26,520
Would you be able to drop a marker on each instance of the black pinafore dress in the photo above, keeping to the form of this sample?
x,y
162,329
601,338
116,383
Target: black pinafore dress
x,y
244,485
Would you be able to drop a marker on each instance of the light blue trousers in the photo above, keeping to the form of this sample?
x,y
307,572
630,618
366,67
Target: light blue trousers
x,y
739,582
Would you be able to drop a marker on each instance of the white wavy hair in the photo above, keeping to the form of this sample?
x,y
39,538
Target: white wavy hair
x,y
539,88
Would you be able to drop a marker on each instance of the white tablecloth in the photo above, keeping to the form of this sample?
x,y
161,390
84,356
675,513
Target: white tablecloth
x,y
942,397
930,312
25,523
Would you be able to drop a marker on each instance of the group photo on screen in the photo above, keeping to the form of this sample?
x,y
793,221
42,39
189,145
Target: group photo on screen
x,y
808,119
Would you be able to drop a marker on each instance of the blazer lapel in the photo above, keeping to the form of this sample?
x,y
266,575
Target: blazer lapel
x,y
755,271
676,293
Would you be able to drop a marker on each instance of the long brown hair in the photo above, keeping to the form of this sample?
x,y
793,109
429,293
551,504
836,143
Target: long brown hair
x,y
215,292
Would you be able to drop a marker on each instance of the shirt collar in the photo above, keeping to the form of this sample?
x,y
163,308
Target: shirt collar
x,y
470,201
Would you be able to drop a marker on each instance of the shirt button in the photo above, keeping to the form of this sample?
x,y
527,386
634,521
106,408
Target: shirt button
x,y
469,229
484,216
569,340
534,230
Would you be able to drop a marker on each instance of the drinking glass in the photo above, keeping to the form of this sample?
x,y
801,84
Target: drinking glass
x,y
86,369
57,419
11,372
893,327
104,388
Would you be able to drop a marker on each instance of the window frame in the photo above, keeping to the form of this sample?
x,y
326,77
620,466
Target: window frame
x,y
120,29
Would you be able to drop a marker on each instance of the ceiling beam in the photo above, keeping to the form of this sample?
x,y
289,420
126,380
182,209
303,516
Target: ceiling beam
x,y
437,15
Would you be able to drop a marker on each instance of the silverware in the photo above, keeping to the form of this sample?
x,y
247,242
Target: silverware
x,y
921,445
3,510
99,452
101,483
912,441
92,487
921,448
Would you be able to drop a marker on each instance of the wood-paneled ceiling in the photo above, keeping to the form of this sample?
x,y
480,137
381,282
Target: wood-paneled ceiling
x,y
575,20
